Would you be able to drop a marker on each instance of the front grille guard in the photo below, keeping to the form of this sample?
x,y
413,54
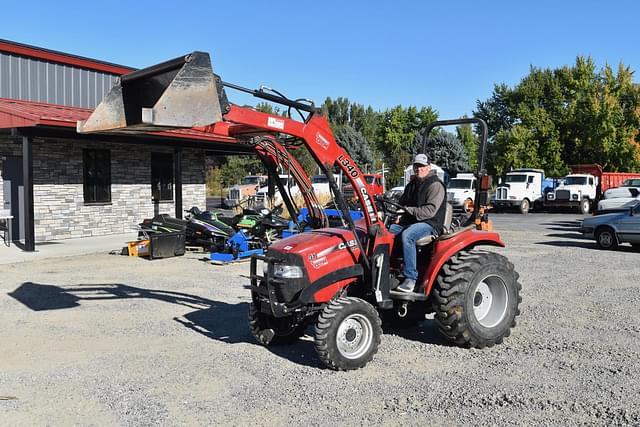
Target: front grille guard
x,y
262,284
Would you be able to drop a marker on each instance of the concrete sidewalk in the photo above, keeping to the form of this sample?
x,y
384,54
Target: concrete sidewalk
x,y
68,247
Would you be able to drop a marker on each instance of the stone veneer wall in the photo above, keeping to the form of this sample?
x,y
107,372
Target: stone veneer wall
x,y
59,208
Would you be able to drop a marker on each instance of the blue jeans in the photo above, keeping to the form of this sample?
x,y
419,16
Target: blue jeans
x,y
409,235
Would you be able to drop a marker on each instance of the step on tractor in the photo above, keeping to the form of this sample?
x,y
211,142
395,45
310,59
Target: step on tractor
x,y
339,279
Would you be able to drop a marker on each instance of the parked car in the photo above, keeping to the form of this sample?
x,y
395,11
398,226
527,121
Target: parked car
x,y
612,229
616,204
629,188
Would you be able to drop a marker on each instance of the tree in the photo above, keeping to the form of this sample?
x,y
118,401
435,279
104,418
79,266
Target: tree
x,y
445,150
355,144
471,144
240,166
573,114
396,136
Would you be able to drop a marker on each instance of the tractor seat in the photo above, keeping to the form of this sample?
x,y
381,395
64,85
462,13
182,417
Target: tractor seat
x,y
427,240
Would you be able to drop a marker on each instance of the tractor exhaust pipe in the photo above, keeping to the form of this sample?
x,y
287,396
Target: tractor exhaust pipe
x,y
180,93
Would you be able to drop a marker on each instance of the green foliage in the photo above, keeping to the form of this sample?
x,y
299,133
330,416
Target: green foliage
x,y
214,184
570,115
302,155
237,167
265,107
396,136
445,150
355,144
471,144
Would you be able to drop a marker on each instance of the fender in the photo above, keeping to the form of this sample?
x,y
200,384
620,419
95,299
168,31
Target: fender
x,y
445,249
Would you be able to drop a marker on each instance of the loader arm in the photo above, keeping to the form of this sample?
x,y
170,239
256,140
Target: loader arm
x,y
184,93
274,154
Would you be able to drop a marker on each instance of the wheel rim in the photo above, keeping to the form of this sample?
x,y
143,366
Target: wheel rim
x,y
355,336
606,239
468,206
490,301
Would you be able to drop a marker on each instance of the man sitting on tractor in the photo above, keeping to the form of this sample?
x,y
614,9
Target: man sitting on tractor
x,y
424,201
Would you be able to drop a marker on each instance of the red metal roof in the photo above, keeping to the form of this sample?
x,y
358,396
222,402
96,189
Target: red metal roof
x,y
17,113
63,58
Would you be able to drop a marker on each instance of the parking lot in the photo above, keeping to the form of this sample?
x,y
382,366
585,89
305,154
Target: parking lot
x,y
111,340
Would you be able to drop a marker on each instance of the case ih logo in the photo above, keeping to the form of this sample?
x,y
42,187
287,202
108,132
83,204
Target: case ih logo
x,y
322,141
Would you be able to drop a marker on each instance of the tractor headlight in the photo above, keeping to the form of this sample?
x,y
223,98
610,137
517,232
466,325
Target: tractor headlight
x,y
574,196
287,271
551,196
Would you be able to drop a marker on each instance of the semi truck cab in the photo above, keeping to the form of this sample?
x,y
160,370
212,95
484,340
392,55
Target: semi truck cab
x,y
522,189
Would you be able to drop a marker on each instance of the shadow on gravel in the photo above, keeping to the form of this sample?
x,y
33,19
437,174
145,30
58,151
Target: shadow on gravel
x,y
213,319
563,225
229,324
40,297
577,236
425,332
570,244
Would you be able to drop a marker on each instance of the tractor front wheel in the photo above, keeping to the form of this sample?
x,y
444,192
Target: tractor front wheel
x,y
347,334
476,298
269,330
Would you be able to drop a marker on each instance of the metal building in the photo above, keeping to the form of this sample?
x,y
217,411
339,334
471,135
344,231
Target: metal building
x,y
59,184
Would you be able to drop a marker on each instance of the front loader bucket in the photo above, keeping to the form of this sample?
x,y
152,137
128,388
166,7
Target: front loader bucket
x,y
181,93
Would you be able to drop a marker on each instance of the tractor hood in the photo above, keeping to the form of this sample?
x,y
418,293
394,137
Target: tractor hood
x,y
323,251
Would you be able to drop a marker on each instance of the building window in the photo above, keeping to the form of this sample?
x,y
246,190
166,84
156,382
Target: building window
x,y
97,176
161,176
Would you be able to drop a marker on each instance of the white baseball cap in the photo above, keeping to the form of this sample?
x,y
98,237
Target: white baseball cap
x,y
421,159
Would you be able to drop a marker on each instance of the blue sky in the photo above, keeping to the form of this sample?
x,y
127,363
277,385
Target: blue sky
x,y
380,53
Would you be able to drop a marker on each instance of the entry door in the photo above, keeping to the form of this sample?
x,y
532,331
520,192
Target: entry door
x,y
14,194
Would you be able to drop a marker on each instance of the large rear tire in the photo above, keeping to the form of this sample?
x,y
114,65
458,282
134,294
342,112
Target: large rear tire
x,y
347,334
476,298
269,330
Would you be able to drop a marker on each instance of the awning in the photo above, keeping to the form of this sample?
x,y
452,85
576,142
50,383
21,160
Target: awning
x,y
39,119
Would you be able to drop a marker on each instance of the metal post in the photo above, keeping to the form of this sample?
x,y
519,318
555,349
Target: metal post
x,y
177,158
27,182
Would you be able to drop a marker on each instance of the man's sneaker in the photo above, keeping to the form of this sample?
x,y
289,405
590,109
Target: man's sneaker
x,y
407,286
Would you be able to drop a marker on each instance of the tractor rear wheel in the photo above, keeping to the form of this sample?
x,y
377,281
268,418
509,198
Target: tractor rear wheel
x,y
269,330
347,333
476,298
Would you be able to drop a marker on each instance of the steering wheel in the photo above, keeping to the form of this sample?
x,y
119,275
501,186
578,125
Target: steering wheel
x,y
386,203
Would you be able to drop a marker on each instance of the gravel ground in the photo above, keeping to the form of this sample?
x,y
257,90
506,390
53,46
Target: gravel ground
x,y
111,340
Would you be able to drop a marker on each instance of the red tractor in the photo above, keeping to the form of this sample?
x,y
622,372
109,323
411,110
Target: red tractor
x,y
339,279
